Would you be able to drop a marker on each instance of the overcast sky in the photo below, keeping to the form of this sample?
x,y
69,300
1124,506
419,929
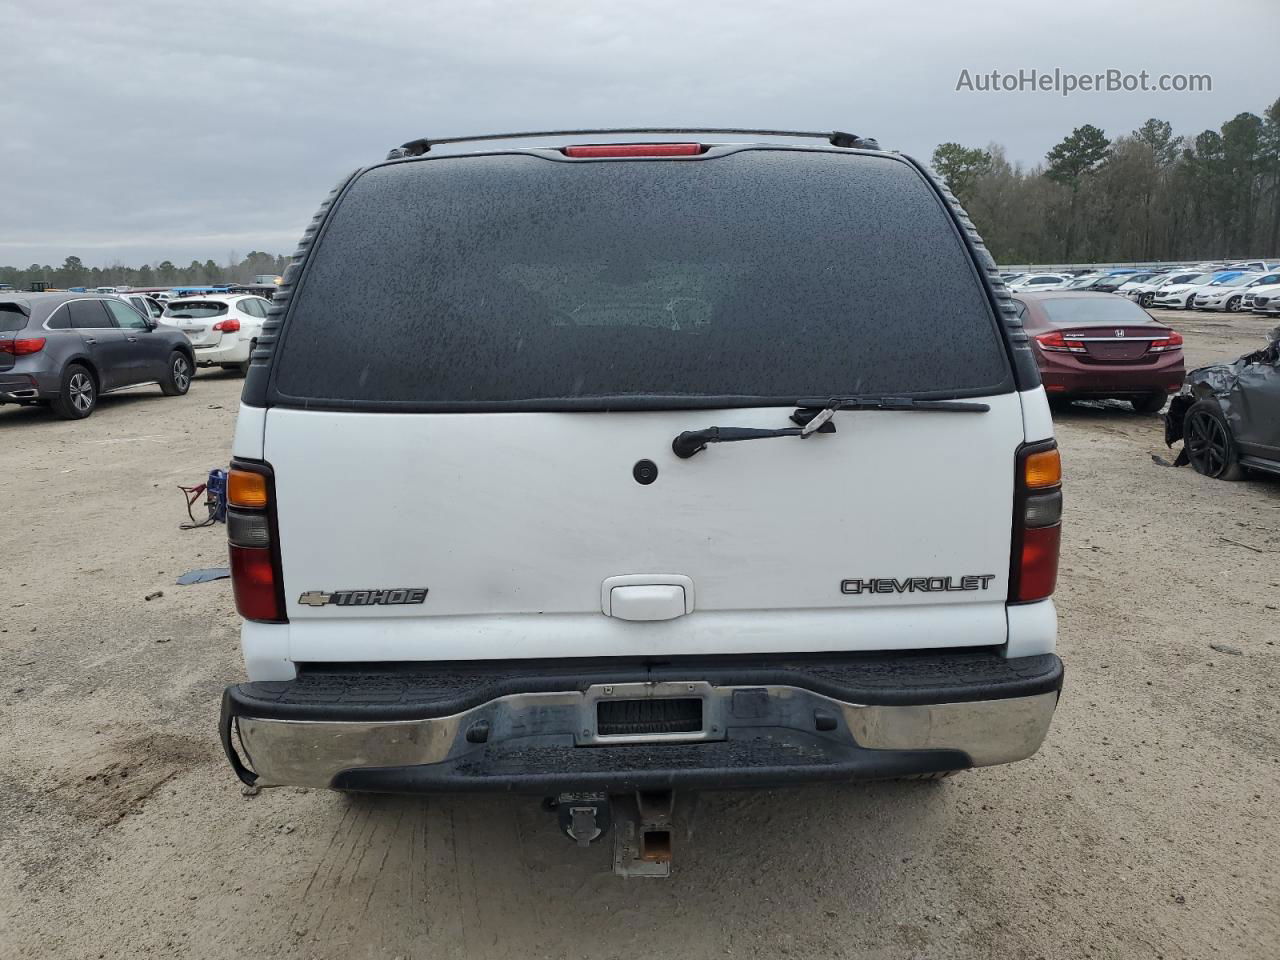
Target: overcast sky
x,y
139,130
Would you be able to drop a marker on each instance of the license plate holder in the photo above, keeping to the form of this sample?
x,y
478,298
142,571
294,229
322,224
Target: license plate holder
x,y
679,712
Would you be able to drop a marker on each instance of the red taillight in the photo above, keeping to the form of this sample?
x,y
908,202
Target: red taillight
x,y
635,150
1168,344
1056,343
256,577
1037,522
227,326
22,346
1039,563
253,581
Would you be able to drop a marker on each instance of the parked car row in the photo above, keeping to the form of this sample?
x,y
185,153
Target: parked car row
x,y
64,350
1223,290
1101,282
1249,285
1143,291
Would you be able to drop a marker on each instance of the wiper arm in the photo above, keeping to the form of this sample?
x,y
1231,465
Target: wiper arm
x,y
813,416
826,409
691,441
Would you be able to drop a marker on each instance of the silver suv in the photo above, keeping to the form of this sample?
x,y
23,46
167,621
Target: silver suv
x,y
64,350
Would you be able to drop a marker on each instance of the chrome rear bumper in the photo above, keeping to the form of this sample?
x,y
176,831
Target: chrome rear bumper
x,y
747,734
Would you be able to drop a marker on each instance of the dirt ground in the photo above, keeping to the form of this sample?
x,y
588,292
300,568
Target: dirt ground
x,y
1147,827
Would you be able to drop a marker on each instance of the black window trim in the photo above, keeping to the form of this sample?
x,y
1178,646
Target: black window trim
x,y
54,312
261,389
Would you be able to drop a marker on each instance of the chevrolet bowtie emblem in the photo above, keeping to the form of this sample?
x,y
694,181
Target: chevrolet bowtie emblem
x,y
314,598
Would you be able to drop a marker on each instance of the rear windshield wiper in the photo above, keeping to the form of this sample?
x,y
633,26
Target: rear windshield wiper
x,y
814,416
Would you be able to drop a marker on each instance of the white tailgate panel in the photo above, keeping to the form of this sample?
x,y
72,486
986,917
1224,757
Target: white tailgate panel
x,y
513,521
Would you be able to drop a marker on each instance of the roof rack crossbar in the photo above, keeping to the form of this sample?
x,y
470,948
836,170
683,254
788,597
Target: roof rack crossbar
x,y
838,138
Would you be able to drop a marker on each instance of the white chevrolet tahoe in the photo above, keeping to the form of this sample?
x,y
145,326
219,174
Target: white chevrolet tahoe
x,y
646,477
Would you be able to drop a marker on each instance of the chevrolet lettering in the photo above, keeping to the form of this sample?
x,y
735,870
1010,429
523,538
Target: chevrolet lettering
x,y
917,584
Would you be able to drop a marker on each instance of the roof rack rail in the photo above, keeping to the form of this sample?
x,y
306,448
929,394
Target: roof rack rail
x,y
838,138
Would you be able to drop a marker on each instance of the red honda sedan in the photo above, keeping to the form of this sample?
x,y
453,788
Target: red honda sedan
x,y
1098,345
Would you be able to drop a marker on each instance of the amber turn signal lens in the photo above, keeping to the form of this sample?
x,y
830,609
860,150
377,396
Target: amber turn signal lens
x,y
1043,469
245,489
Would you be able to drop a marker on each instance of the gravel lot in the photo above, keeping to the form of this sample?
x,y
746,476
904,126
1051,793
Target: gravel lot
x,y
1148,826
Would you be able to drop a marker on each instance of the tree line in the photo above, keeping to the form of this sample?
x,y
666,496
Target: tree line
x,y
1147,195
73,272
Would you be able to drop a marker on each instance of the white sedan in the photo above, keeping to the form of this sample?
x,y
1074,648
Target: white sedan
x,y
1230,294
1035,282
1263,299
1144,291
1182,296
222,327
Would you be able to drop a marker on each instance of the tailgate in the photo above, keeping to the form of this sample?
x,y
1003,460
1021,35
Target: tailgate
x,y
893,532
200,334
196,319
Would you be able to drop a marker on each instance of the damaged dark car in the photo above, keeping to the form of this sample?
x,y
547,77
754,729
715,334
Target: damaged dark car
x,y
1228,416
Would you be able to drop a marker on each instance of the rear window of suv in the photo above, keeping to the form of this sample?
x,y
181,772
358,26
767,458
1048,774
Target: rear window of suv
x,y
12,317
760,276
195,309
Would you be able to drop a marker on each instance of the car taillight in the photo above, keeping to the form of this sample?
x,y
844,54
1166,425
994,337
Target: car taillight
x,y
256,577
22,346
635,150
1056,343
1037,522
227,326
1171,342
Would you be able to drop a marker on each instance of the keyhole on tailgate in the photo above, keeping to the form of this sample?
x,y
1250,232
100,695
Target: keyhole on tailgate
x,y
645,471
